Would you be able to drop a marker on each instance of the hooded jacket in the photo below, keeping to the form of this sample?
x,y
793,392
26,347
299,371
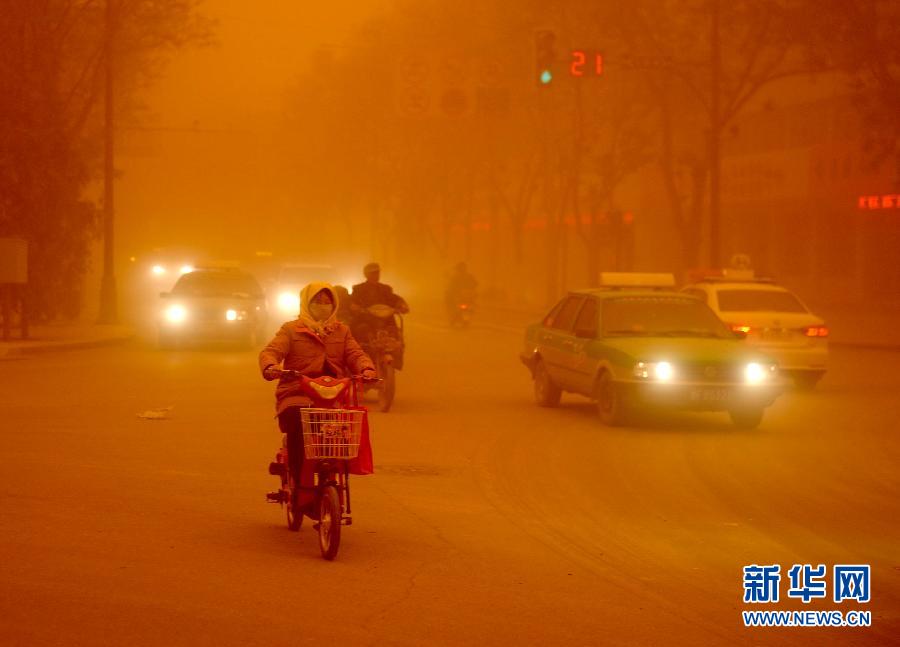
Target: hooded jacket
x,y
312,348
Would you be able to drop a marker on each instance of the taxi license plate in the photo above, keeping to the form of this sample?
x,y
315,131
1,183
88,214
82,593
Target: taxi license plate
x,y
709,394
776,334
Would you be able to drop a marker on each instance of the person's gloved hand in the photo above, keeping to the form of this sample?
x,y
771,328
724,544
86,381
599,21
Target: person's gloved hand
x,y
369,374
271,372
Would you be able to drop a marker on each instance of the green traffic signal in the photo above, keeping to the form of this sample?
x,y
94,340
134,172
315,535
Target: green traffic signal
x,y
544,56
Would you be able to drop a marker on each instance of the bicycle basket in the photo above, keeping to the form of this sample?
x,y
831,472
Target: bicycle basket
x,y
331,433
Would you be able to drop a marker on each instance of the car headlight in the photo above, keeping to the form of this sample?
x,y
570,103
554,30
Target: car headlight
x,y
157,270
235,315
176,314
186,269
289,302
756,373
660,371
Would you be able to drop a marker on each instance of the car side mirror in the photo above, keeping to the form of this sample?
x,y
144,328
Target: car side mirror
x,y
586,333
740,334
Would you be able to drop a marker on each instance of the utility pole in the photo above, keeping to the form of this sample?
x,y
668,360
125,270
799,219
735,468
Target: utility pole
x,y
715,119
108,301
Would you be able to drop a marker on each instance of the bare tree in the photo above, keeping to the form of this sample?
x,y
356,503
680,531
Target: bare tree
x,y
858,39
711,58
52,66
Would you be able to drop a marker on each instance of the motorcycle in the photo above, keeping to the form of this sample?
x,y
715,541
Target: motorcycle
x,y
383,343
332,432
461,315
460,307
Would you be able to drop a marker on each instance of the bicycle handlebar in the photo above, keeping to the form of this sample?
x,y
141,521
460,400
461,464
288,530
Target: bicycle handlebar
x,y
282,372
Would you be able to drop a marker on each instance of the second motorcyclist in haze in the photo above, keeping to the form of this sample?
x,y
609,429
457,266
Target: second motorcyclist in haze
x,y
314,344
374,292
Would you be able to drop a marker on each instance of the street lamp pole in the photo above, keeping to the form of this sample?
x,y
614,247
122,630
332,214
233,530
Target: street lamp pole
x,y
108,300
715,165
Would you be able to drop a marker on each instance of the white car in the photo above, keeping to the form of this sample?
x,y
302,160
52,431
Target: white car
x,y
773,319
213,303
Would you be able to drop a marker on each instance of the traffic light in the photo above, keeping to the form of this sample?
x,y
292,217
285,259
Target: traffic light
x,y
544,57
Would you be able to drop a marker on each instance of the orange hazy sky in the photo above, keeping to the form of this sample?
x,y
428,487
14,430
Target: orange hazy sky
x,y
260,46
202,163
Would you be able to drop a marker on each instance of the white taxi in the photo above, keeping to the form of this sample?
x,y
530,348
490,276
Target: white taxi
x,y
772,318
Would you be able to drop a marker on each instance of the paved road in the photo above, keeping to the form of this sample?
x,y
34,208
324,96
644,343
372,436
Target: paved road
x,y
489,521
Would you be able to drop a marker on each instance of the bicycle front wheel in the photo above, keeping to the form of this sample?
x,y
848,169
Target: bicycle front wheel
x,y
329,522
388,385
293,513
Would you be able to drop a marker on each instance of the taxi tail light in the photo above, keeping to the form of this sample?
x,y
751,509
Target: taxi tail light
x,y
816,331
740,328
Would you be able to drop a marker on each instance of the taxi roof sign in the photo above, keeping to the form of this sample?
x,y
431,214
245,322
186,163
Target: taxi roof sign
x,y
742,274
726,275
637,280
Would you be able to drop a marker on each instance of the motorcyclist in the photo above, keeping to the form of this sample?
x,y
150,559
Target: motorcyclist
x,y
315,344
461,289
373,292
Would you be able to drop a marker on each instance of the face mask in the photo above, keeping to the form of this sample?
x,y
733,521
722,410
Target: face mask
x,y
320,311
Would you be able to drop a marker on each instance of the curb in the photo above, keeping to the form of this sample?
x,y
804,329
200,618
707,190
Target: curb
x,y
46,347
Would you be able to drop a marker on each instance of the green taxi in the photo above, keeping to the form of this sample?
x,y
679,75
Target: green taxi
x,y
635,343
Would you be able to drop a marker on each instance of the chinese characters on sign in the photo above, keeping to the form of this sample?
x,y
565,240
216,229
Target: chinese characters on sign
x,y
886,201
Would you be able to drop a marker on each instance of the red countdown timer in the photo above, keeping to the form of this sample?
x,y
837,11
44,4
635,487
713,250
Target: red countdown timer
x,y
585,63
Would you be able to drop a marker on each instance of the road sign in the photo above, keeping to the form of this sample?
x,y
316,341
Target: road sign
x,y
412,91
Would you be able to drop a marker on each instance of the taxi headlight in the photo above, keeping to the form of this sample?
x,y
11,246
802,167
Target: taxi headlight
x,y
660,371
176,314
755,373
663,371
289,302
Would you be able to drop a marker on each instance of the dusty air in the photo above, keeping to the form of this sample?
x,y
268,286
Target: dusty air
x,y
449,323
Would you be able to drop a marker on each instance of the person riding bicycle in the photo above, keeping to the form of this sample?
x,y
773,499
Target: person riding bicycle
x,y
315,344
373,292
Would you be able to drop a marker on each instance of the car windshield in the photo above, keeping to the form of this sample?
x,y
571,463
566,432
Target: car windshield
x,y
216,284
758,301
660,317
